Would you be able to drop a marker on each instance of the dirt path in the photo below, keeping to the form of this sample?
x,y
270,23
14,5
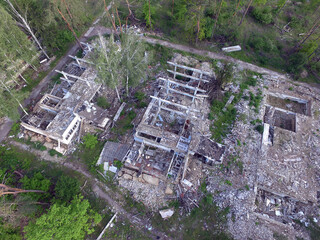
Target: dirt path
x,y
99,189
5,127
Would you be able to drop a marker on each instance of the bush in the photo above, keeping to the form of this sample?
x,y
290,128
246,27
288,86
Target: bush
x,y
90,141
15,128
261,43
296,62
39,146
139,96
66,188
103,103
259,128
262,14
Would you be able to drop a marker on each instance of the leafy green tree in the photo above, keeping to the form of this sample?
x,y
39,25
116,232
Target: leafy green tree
x,y
106,59
148,11
90,141
134,60
15,51
37,182
68,222
8,232
67,188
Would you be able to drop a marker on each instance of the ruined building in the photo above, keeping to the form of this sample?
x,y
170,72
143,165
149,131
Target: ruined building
x,y
174,128
60,114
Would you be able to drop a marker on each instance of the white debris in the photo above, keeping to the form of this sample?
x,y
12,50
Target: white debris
x,y
167,213
232,48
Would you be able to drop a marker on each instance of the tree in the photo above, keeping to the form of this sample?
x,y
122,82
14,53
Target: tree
x,y
90,141
67,188
23,20
259,2
245,12
134,61
62,221
15,51
217,18
148,12
194,18
106,59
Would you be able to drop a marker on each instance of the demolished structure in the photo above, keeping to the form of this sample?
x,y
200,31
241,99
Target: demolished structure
x,y
174,128
60,114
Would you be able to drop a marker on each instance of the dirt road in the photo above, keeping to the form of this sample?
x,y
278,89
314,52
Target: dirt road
x,y
100,189
5,127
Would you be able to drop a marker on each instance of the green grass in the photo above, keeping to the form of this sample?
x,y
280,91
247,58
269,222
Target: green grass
x,y
124,123
103,103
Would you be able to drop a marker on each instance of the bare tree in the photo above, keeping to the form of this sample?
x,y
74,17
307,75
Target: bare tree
x,y
6,190
70,28
217,18
245,12
24,22
314,27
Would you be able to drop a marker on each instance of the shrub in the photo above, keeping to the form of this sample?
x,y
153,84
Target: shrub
x,y
296,62
259,128
90,141
15,128
118,164
53,152
103,103
262,14
139,96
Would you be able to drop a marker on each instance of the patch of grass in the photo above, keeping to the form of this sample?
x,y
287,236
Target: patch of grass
x,y
279,236
131,204
125,230
53,152
15,129
255,100
89,156
36,145
124,123
103,103
228,182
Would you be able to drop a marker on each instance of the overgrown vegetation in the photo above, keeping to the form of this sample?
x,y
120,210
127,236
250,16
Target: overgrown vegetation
x,y
59,199
124,123
269,32
205,222
102,102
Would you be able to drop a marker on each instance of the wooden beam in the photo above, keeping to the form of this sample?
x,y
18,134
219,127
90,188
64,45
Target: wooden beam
x,y
187,76
182,93
189,68
182,85
80,59
175,104
106,227
66,75
175,111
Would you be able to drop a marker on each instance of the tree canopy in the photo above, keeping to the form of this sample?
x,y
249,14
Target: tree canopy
x,y
62,221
